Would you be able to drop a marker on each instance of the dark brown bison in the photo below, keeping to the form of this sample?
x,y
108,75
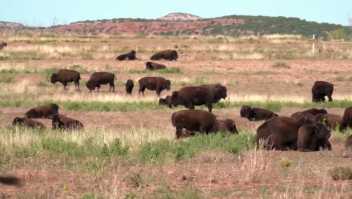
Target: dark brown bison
x,y
127,56
165,54
3,45
309,113
256,114
297,115
321,89
44,111
190,96
98,78
346,119
27,122
312,137
165,101
157,84
65,123
129,86
281,133
330,120
219,91
64,76
226,126
348,143
154,66
194,120
10,181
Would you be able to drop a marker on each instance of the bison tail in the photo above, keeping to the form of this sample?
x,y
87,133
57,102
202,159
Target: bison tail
x,y
173,120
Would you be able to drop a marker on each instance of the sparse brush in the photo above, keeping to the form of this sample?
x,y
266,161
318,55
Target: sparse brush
x,y
341,173
281,64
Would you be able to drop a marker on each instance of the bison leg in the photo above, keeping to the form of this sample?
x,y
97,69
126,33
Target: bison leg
x,y
112,85
330,98
77,85
65,85
158,92
189,105
178,132
210,107
141,89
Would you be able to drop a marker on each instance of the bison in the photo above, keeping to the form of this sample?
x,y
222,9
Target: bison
x,y
44,111
194,120
64,75
166,101
190,96
330,120
297,115
127,56
320,89
256,114
346,119
98,78
348,143
312,137
309,113
3,45
65,123
27,122
154,83
129,86
10,181
165,54
219,91
154,66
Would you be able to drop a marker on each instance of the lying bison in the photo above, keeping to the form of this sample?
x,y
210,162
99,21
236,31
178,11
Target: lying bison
x,y
312,137
308,113
65,123
346,119
64,76
256,114
127,56
98,78
129,86
219,91
330,120
190,96
10,180
194,120
157,84
226,126
348,143
165,54
154,66
166,101
321,89
44,111
281,133
297,115
3,45
27,122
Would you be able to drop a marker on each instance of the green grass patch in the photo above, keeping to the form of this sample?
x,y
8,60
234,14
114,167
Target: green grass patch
x,y
5,79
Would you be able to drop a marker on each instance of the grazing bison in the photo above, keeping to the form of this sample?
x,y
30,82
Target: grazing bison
x,y
226,125
64,75
330,120
190,96
44,111
154,83
127,56
312,137
3,45
65,123
256,114
348,143
321,89
346,119
154,66
219,91
194,120
10,180
165,54
165,101
98,78
129,86
27,122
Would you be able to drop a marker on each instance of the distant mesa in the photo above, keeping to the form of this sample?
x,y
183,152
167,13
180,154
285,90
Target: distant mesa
x,y
179,17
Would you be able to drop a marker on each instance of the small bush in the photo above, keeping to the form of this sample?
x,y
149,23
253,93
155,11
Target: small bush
x,y
341,173
281,64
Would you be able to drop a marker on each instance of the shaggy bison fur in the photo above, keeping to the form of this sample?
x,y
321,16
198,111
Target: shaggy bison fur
x,y
165,54
27,122
348,143
64,76
10,180
127,56
321,89
154,66
166,101
157,84
256,114
194,120
98,78
190,96
330,120
219,91
346,119
129,86
312,137
65,123
44,111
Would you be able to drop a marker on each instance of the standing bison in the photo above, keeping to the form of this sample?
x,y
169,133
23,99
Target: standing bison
x,y
165,54
65,123
166,101
194,120
44,111
127,56
346,119
154,66
64,75
330,120
190,96
157,84
3,45
98,78
312,137
129,86
256,114
321,89
27,122
219,91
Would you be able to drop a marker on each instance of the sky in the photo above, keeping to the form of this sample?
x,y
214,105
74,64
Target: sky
x,y
44,13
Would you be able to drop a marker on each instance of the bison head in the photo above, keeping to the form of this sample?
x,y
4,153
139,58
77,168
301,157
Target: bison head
x,y
221,90
148,66
133,52
17,120
174,55
321,132
162,101
53,78
167,84
90,86
4,44
245,111
231,126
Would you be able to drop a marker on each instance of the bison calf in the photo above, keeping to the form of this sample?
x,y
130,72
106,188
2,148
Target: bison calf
x,y
65,123
127,56
154,83
166,101
98,78
256,114
27,122
64,76
44,111
165,54
320,89
190,96
154,66
129,86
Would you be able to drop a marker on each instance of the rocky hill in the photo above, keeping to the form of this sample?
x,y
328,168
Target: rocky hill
x,y
187,24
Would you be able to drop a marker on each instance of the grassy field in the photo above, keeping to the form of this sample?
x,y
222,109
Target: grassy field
x,y
128,150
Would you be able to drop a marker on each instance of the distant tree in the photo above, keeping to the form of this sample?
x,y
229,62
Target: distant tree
x,y
337,34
